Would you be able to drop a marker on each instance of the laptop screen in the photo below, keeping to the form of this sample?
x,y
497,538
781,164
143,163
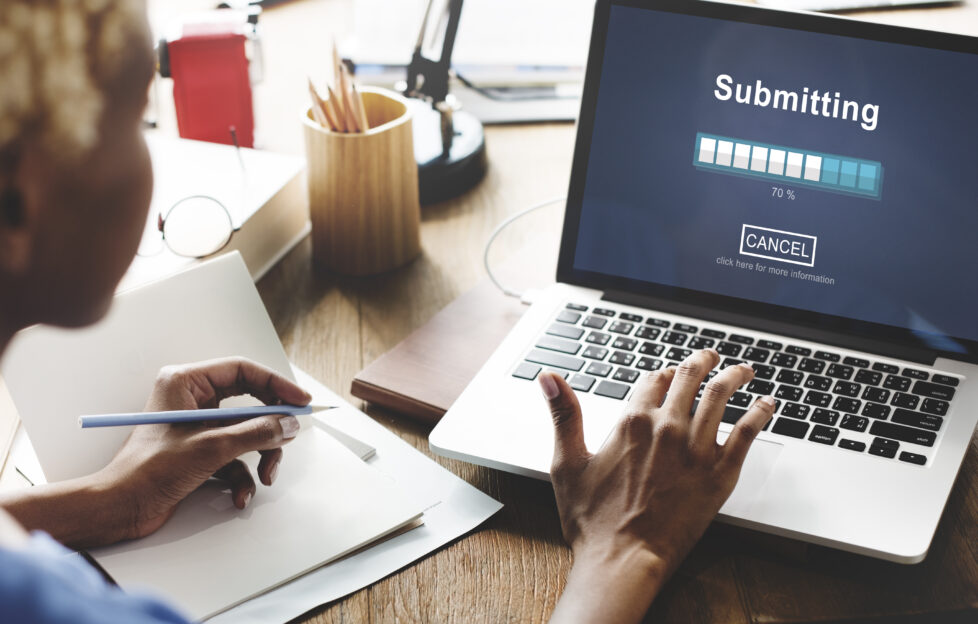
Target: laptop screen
x,y
820,173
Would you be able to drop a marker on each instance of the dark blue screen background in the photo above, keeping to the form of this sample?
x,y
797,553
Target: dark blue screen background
x,y
907,260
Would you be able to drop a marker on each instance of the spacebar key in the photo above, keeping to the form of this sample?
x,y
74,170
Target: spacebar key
x,y
549,358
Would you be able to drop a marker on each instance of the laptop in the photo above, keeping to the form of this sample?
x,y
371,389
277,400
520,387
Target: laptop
x,y
796,191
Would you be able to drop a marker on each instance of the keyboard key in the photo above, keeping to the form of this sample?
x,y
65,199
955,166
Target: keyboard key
x,y
854,361
818,383
933,390
796,350
581,383
763,372
788,393
626,344
526,371
632,318
598,338
604,311
652,348
755,354
730,362
599,369
852,445
656,322
730,414
740,399
823,434
577,306
625,374
868,377
647,333
620,357
783,359
913,458
827,356
698,342
790,377
758,386
886,443
941,379
892,382
820,399
559,344
678,354
854,423
728,348
611,389
877,394
558,360
907,401
916,419
649,364
915,373
825,417
795,410
595,353
934,406
739,338
882,451
844,404
565,331
840,371
877,411
846,388
674,338
886,368
902,433
713,333
812,366
789,427
594,322
566,316
557,371
621,327
769,344
683,327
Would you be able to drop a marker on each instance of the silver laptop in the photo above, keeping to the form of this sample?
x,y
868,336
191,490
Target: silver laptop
x,y
797,192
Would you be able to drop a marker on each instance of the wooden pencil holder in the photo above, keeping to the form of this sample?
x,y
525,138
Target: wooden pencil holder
x,y
363,190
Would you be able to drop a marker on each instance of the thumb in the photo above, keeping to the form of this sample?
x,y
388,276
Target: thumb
x,y
568,423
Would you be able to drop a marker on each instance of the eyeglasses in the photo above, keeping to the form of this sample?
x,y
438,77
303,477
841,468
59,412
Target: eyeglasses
x,y
194,227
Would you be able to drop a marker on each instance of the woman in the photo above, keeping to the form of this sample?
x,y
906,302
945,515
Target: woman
x,y
75,186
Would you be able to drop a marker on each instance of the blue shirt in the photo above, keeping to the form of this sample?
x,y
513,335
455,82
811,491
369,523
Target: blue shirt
x,y
41,582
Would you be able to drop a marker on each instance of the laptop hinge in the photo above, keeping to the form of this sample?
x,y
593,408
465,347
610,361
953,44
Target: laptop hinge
x,y
837,339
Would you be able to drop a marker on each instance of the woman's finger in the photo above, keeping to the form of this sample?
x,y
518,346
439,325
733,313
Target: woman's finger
x,y
242,484
569,447
686,383
268,465
743,434
651,389
258,434
228,377
713,402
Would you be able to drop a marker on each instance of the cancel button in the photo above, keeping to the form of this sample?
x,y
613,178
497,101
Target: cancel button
x,y
779,245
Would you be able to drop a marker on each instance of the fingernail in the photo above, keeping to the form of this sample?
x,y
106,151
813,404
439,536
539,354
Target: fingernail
x,y
290,427
746,366
273,472
549,386
713,352
767,400
247,499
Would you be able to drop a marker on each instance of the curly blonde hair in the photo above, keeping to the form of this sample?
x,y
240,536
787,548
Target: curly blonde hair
x,y
56,58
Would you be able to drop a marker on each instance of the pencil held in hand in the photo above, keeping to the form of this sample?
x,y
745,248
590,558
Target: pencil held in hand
x,y
343,109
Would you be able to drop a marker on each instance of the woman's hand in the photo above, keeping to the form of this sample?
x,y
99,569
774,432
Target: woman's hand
x,y
159,465
632,511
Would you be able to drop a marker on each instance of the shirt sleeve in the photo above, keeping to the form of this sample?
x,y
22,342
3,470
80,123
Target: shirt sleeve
x,y
46,583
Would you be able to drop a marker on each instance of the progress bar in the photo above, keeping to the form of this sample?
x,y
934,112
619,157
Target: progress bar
x,y
828,172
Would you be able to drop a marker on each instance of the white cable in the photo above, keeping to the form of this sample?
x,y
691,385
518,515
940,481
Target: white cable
x,y
499,228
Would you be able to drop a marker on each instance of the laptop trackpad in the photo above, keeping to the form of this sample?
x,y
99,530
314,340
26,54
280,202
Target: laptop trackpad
x,y
760,460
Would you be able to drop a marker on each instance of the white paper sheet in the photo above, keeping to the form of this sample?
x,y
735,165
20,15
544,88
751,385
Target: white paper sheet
x,y
452,508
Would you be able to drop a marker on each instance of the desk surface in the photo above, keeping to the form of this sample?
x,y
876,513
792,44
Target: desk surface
x,y
513,568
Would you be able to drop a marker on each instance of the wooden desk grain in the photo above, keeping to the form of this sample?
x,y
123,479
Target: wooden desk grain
x,y
513,568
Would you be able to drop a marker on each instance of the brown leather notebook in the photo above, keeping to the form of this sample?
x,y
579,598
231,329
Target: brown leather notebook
x,y
423,375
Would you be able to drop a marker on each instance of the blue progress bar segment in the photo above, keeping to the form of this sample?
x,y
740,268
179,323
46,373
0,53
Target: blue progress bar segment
x,y
789,165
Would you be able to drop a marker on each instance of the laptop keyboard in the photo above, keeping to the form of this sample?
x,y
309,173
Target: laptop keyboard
x,y
825,397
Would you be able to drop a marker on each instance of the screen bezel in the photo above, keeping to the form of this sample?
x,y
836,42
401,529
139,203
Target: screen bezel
x,y
832,25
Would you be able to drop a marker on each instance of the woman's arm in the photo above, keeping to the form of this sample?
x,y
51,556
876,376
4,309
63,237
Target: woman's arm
x,y
632,511
159,465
